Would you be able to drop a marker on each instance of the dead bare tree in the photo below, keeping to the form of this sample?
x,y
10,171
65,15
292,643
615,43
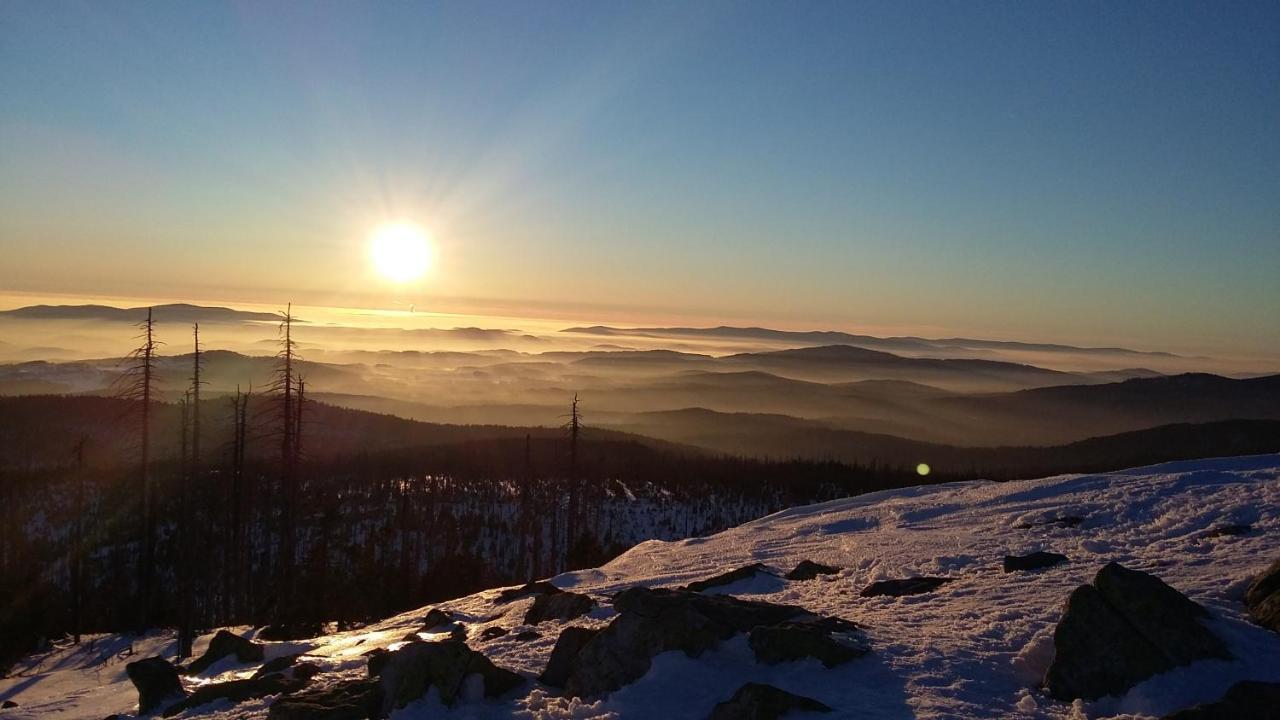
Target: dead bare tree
x,y
237,557
76,564
182,534
284,385
137,385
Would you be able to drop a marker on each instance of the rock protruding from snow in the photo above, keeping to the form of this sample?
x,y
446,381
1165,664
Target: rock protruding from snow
x,y
568,645
236,691
808,570
435,618
156,680
281,632
540,587
651,621
558,606
409,672
280,664
1247,700
830,644
226,643
757,701
1263,598
905,586
347,700
1121,630
743,573
493,633
1034,561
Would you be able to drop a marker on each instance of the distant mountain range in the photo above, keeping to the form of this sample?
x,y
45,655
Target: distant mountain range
x,y
175,312
832,337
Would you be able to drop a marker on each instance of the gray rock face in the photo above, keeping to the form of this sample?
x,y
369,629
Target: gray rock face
x,y
1034,561
808,570
223,644
408,672
651,621
1123,629
1248,700
757,701
773,644
236,691
906,586
1263,598
558,606
568,645
156,680
349,700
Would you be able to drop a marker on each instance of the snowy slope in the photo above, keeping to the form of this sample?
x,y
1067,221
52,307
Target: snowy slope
x,y
976,647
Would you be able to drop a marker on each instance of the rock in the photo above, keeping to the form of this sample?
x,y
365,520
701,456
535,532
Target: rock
x,y
410,671
306,671
558,606
1226,531
156,680
1125,628
377,660
568,645
435,618
527,635
773,644
541,587
291,631
348,700
1263,598
733,576
757,701
808,570
1034,561
236,691
1068,521
223,644
279,664
492,633
8,704
1247,700
651,621
906,586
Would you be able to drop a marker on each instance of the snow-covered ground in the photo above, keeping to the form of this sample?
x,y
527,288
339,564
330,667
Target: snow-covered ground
x,y
977,647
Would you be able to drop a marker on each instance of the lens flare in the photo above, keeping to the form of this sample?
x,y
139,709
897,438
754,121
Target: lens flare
x,y
923,469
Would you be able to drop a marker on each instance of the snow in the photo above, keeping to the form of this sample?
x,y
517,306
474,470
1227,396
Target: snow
x,y
976,647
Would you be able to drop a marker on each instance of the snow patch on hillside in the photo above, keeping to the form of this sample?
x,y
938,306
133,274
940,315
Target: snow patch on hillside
x,y
976,647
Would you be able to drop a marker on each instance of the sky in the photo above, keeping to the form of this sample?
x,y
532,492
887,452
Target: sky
x,y
1096,173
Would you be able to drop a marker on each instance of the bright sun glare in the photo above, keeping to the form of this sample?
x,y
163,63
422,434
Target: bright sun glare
x,y
401,252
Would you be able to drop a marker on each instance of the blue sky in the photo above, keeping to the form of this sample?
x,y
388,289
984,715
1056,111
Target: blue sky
x,y
1087,172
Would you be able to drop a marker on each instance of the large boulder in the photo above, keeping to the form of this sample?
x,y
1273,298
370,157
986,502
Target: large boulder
x,y
156,680
808,570
652,621
905,586
237,691
757,701
1263,598
409,672
773,644
1034,561
348,700
435,618
1248,700
223,644
1121,630
568,645
558,606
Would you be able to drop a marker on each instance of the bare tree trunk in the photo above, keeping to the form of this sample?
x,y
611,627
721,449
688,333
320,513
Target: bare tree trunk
x,y
77,548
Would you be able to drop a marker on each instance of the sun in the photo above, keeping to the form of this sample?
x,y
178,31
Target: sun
x,y
400,252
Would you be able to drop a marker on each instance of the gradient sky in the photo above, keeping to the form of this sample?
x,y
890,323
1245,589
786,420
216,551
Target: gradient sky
x,y
1084,172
